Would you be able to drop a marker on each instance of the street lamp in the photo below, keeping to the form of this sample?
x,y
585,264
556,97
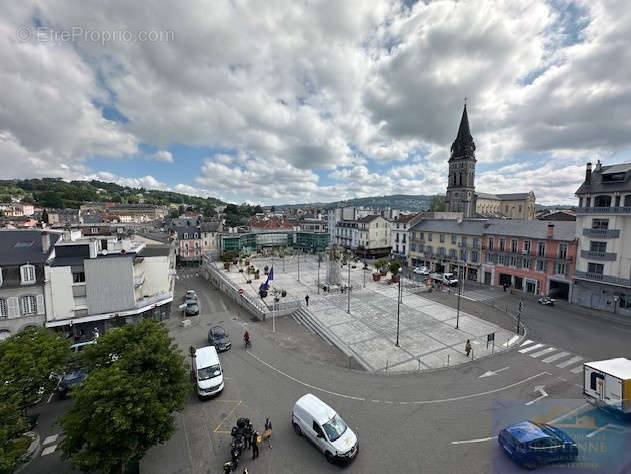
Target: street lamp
x,y
459,292
319,260
298,268
348,289
364,271
398,311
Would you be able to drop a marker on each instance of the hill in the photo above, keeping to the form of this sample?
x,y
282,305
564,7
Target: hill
x,y
56,193
406,202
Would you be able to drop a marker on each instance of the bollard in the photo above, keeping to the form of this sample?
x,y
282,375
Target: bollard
x,y
447,360
471,353
387,365
419,365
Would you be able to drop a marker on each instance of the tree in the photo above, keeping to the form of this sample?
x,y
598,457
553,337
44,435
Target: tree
x,y
437,203
209,211
12,423
395,266
174,213
138,378
258,209
231,209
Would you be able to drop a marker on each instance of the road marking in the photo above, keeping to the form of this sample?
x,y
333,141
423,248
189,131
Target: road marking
x,y
50,439
511,341
545,351
569,413
544,394
490,373
589,435
576,370
554,357
479,440
48,450
417,402
237,404
531,348
571,361
526,342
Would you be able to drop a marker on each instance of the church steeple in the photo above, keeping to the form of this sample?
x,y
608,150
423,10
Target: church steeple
x,y
461,195
463,144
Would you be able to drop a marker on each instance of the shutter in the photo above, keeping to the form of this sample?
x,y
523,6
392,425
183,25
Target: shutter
x,y
40,304
12,307
23,273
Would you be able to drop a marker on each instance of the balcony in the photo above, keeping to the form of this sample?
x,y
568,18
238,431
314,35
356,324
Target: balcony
x,y
599,277
602,233
604,210
607,256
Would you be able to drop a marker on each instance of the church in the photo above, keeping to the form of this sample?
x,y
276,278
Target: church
x,y
461,195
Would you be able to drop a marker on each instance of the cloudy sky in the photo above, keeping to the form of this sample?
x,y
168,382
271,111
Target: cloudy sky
x,y
276,101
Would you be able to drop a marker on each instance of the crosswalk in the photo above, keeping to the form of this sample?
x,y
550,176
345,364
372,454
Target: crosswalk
x,y
552,355
186,276
480,295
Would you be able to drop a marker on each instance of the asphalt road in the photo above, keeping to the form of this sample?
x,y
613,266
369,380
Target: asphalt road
x,y
437,421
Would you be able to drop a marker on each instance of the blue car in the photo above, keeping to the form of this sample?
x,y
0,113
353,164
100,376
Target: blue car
x,y
531,444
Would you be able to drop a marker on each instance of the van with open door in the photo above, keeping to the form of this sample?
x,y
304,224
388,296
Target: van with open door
x,y
322,426
207,372
607,383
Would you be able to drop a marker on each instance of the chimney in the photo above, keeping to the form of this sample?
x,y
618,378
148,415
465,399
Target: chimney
x,y
550,230
598,164
588,174
45,242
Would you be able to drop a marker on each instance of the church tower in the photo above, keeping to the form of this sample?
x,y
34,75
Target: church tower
x,y
460,195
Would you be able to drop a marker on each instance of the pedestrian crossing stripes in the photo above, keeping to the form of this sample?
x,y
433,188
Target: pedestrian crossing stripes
x,y
552,355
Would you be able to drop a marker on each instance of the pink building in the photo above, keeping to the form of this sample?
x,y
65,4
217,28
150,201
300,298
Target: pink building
x,y
536,257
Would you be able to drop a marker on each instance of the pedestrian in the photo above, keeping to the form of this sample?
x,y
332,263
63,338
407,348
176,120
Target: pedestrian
x,y
267,434
247,435
307,299
255,441
467,348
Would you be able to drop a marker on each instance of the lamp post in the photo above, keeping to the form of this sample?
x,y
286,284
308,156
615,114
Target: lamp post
x,y
348,289
398,311
298,268
459,291
364,271
319,260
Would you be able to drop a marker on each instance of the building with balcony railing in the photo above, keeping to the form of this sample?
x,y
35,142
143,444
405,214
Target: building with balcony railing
x,y
603,226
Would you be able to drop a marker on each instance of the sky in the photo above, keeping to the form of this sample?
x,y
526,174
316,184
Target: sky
x,y
279,101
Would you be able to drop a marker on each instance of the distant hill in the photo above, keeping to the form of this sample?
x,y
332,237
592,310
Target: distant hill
x,y
56,193
405,202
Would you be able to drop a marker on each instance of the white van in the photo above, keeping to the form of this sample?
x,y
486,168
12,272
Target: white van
x,y
207,372
320,424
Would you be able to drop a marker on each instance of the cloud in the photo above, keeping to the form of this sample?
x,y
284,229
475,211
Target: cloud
x,y
161,155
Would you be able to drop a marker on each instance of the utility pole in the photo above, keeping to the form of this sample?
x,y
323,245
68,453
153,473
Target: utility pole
x,y
364,271
398,311
319,273
458,310
521,308
298,268
348,310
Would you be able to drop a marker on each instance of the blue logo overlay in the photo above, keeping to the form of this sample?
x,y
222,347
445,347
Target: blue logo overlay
x,y
564,435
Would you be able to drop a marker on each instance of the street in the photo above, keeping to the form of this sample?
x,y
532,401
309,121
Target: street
x,y
439,421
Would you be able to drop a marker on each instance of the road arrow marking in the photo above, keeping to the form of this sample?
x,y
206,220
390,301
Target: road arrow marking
x,y
492,372
544,394
479,440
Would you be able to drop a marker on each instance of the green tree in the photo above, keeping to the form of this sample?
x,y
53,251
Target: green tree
x,y
209,211
437,203
258,209
138,379
231,209
174,213
12,423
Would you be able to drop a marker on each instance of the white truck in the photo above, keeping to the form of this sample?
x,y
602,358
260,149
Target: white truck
x,y
608,384
446,279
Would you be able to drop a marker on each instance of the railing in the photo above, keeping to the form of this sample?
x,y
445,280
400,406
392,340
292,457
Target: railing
x,y
604,210
602,278
602,233
608,256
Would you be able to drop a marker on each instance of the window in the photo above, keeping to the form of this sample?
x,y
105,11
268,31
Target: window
x,y
186,235
28,305
413,247
463,240
429,236
580,202
617,204
513,245
588,201
627,200
421,235
94,230
597,246
474,256
597,268
602,201
491,243
560,268
501,245
562,250
442,238
600,224
78,277
526,246
4,311
625,300
463,255
195,235
403,238
541,249
540,265
453,238
452,253
27,272
520,208
476,242
0,276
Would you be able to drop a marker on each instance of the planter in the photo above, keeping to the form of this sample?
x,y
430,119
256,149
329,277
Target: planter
x,y
276,300
283,293
395,278
266,272
376,276
247,262
257,275
262,293
383,271
226,265
235,261
240,270
353,266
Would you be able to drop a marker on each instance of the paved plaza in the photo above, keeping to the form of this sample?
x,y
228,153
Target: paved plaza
x,y
428,338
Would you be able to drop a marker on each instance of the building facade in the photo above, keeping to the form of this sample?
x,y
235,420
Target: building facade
x,y
510,206
603,228
535,257
23,256
401,235
460,195
375,239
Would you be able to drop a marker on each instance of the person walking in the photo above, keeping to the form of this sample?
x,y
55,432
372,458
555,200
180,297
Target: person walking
x,y
255,441
247,436
267,434
467,348
307,299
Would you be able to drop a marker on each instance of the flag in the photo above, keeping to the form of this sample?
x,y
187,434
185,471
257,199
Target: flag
x,y
270,276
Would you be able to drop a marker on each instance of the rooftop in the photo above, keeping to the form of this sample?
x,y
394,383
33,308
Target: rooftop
x,y
22,246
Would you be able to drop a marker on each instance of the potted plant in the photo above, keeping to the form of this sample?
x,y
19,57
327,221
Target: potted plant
x,y
226,258
283,293
376,276
276,294
266,269
382,266
395,267
248,281
257,275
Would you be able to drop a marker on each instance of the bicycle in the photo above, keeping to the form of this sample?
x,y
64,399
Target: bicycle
x,y
247,343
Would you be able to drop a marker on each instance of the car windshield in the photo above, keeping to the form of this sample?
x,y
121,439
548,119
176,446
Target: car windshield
x,y
550,432
335,428
208,372
219,333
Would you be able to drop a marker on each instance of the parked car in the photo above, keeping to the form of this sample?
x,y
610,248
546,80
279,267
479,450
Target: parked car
x,y
70,380
421,271
530,444
207,372
80,346
322,426
219,337
192,309
449,279
546,301
190,294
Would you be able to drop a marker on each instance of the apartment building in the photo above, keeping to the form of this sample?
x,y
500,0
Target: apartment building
x,y
23,255
90,288
375,239
602,279
536,257
400,235
447,245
